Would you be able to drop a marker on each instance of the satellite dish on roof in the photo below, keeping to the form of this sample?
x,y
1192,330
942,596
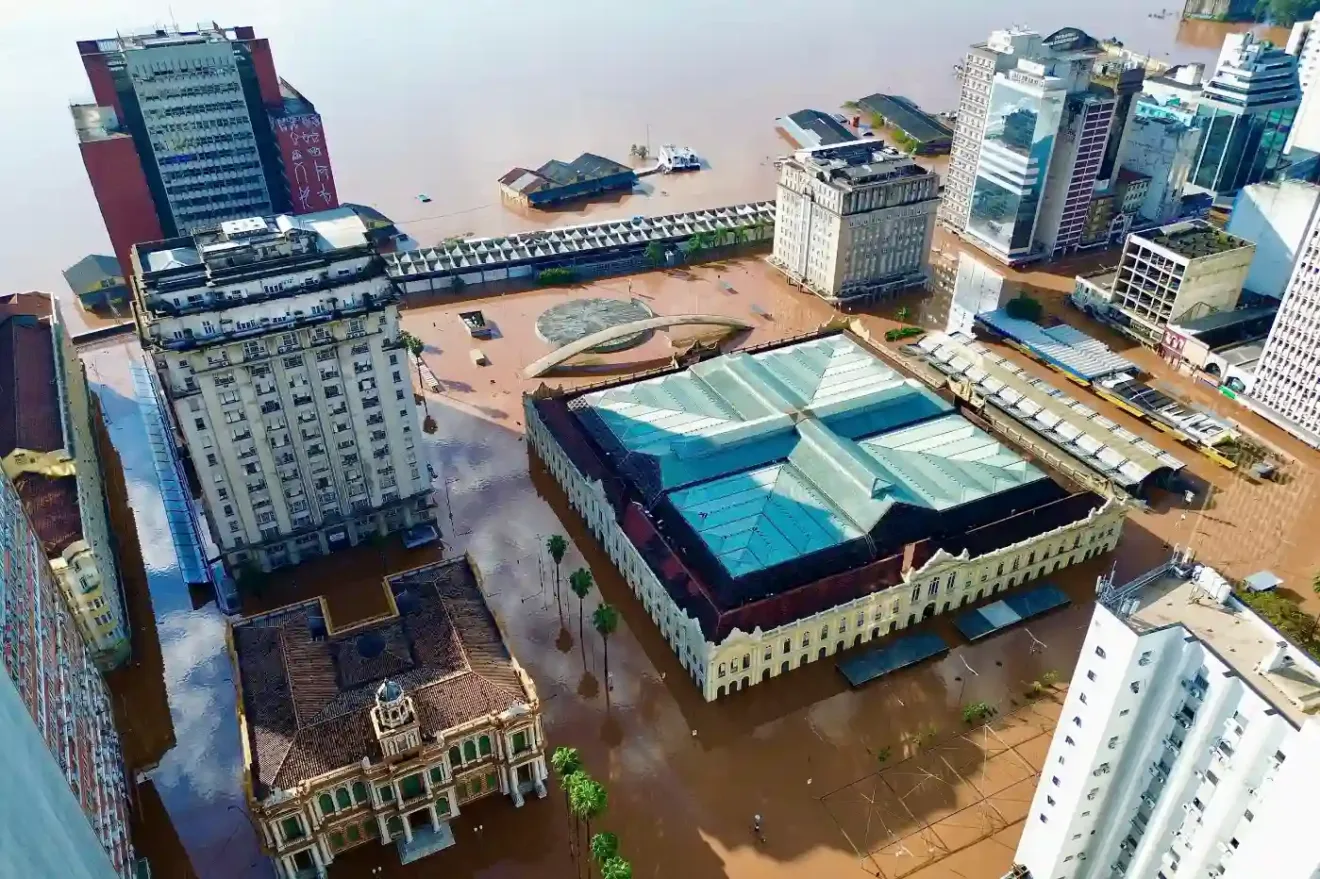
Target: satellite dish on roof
x,y
370,645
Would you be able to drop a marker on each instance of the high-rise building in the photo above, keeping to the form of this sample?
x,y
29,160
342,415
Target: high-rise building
x,y
192,128
1287,386
999,53
57,732
277,344
1304,45
1183,747
1127,84
1162,143
1178,272
854,222
47,449
383,733
1043,135
1246,111
1274,215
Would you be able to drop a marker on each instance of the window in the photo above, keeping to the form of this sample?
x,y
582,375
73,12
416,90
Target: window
x,y
199,424
1082,696
1135,686
723,670
342,799
469,750
1068,740
788,645
484,746
491,781
412,786
326,804
1125,712
1102,769
336,840
1077,721
1055,781
1145,658
455,758
1100,652
1090,676
1113,742
1049,799
394,826
1061,760
1093,793
1043,819
520,743
386,793
359,792
291,828
442,805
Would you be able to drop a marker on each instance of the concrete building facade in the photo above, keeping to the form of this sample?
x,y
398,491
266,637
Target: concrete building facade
x,y
750,573
1275,216
1246,111
1178,272
277,343
854,223
1287,385
1162,144
192,128
48,450
337,756
999,53
1183,746
55,708
1304,45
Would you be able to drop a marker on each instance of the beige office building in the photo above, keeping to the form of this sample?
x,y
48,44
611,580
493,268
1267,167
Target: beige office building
x,y
277,343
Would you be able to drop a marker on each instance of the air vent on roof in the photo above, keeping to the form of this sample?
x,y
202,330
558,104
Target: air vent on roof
x,y
370,645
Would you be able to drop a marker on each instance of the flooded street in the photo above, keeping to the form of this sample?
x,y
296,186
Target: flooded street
x,y
441,100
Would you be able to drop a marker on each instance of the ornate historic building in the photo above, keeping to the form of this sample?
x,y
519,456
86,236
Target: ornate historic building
x,y
382,731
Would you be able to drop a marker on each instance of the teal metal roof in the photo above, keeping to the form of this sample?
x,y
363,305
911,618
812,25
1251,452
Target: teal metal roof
x,y
775,455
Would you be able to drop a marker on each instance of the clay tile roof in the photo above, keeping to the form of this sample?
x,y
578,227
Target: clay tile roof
x,y
307,699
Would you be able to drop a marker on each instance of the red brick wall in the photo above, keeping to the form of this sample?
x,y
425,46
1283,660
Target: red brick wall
x,y
121,192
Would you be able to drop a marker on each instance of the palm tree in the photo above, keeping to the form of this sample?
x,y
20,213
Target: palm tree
x,y
415,348
588,800
580,582
616,868
604,846
903,314
606,619
557,546
567,763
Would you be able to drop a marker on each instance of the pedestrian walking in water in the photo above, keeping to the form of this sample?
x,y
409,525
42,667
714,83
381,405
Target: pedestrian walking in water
x,y
756,828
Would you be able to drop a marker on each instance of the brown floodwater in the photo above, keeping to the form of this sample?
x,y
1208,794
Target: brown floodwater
x,y
442,98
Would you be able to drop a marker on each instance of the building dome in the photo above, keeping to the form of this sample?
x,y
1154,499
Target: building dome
x,y
388,692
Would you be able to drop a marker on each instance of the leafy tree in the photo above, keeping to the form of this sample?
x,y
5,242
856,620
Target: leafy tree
x,y
903,314
566,763
1023,307
606,620
1286,13
556,545
415,347
587,799
655,253
580,582
616,868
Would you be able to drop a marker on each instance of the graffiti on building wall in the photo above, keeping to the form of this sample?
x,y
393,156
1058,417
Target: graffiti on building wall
x,y
306,163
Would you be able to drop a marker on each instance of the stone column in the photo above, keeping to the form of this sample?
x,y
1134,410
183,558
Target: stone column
x,y
435,819
407,829
383,828
512,774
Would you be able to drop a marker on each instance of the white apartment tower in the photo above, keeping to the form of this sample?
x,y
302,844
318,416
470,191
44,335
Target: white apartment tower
x,y
1183,748
1304,44
854,222
1287,386
277,343
997,54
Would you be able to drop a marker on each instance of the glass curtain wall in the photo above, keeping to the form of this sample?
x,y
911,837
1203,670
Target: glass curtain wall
x,y
1239,148
1021,128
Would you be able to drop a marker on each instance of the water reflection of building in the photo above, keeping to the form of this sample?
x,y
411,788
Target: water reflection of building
x,y
1246,111
65,781
977,288
382,732
47,449
277,343
774,508
1186,720
854,223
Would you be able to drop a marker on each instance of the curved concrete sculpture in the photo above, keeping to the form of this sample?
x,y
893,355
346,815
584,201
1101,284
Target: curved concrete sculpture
x,y
572,349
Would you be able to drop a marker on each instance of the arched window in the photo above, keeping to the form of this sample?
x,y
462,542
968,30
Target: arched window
x,y
394,826
326,803
469,751
484,746
359,792
455,758
343,799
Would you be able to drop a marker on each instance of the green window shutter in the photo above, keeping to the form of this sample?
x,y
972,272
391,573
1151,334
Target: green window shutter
x,y
469,751
519,742
442,805
492,783
354,835
455,758
359,792
326,803
386,793
394,826
485,746
370,828
412,786
292,828
437,774
343,799
336,840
